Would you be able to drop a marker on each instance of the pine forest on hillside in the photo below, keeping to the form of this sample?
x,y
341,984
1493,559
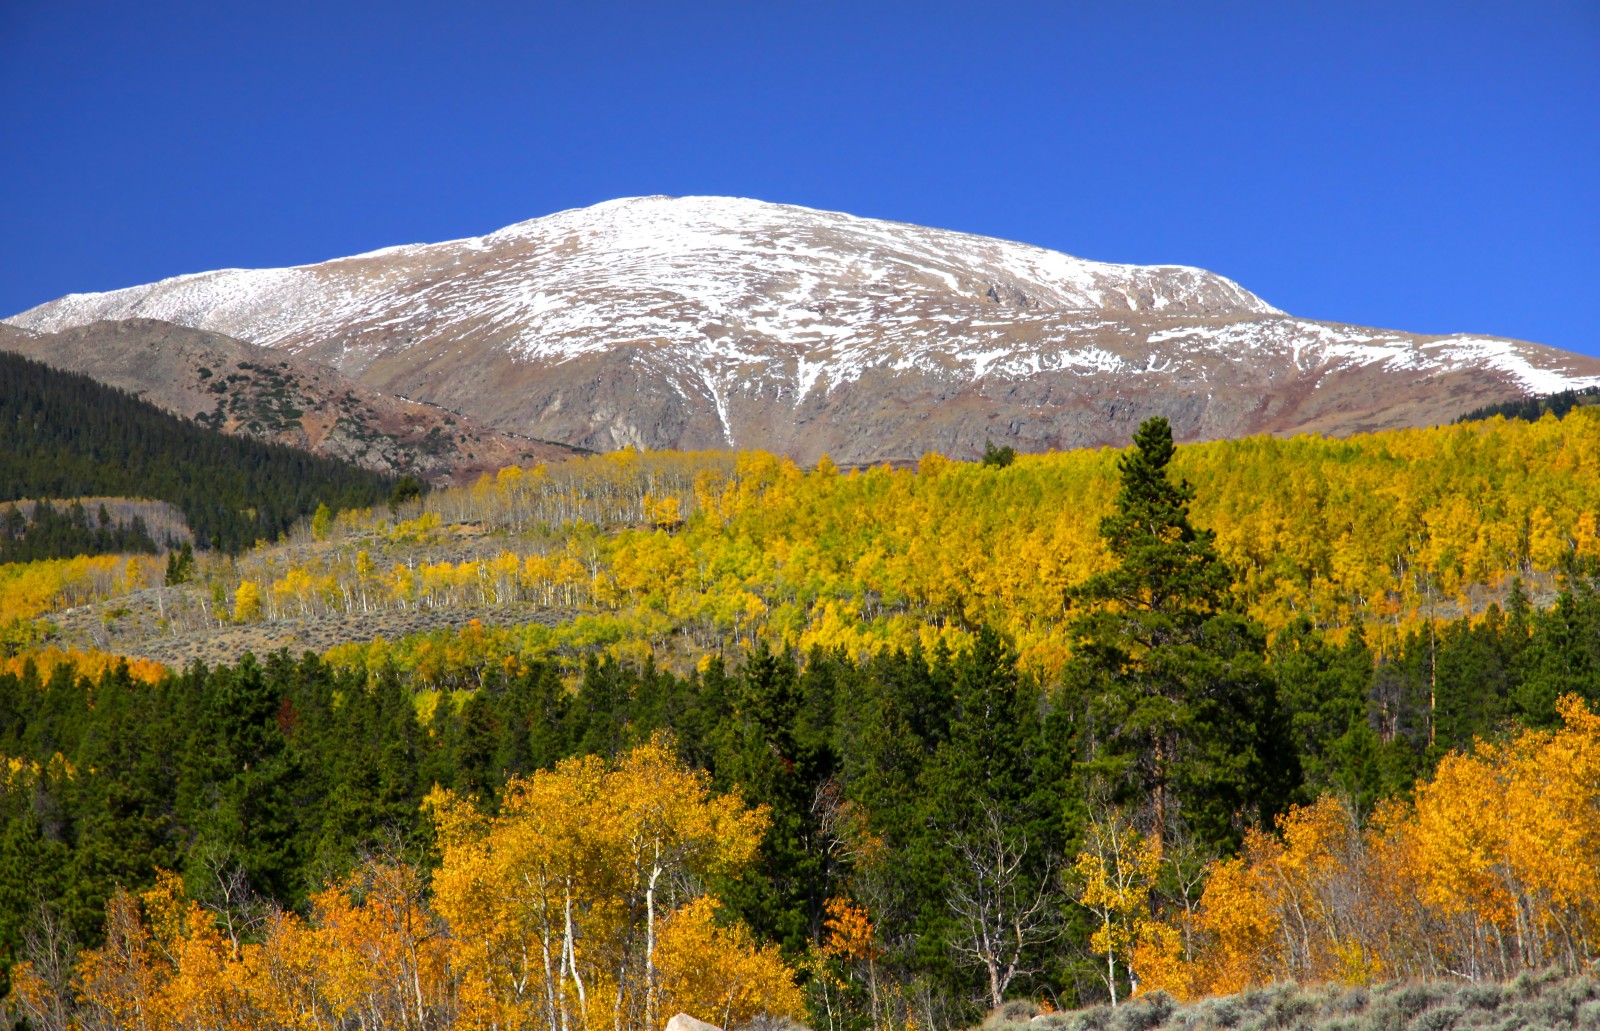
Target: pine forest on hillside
x,y
68,437
879,748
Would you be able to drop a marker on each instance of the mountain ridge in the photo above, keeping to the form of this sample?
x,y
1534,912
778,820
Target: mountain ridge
x,y
713,322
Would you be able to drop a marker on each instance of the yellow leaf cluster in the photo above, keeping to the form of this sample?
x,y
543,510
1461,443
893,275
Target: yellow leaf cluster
x,y
90,663
167,965
31,589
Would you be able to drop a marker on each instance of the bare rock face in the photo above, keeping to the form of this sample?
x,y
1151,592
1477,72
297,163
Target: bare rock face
x,y
716,322
252,391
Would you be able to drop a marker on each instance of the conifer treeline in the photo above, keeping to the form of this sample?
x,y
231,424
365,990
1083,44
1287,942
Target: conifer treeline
x,y
1530,408
64,435
46,533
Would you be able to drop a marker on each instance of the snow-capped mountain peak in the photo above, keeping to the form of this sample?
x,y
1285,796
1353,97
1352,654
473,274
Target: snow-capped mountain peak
x,y
713,321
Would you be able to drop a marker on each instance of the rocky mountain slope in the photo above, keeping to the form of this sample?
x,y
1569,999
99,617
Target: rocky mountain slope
x,y
253,391
704,321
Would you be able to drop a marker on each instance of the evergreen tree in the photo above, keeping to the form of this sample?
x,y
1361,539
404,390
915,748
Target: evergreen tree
x,y
767,759
992,831
1562,656
1180,713
1323,688
247,784
998,457
180,565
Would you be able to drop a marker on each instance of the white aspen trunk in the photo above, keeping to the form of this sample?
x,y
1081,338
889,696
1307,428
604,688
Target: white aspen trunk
x,y
544,953
650,944
571,951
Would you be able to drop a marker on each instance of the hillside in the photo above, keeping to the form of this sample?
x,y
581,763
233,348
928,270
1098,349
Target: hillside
x,y
267,395
65,436
715,322
670,555
832,713
877,774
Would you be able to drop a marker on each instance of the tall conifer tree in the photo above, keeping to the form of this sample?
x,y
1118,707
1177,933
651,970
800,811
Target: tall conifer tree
x,y
1179,708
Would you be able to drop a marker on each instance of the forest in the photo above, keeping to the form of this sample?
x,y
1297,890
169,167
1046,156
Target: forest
x,y
1535,407
1194,760
68,437
45,533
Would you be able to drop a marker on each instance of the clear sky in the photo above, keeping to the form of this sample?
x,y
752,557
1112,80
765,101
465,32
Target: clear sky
x,y
1430,167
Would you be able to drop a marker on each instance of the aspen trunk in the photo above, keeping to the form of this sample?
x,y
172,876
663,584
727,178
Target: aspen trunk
x,y
650,947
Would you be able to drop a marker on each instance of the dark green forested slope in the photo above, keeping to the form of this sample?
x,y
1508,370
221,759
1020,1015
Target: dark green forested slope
x,y
64,435
47,532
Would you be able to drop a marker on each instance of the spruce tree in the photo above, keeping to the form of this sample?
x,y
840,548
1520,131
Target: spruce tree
x,y
763,756
1180,712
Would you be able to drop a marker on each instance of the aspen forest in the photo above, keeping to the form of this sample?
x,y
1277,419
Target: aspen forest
x,y
596,743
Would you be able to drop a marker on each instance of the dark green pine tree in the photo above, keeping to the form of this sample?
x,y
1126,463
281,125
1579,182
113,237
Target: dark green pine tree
x,y
992,827
125,826
989,760
1562,656
245,784
473,745
884,744
764,754
532,721
366,764
1471,684
1323,688
600,717
1180,713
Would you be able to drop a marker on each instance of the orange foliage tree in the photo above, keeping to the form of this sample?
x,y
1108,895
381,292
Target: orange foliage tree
x,y
1493,870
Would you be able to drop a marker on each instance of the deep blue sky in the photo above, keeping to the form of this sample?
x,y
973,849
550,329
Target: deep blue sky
x,y
1432,167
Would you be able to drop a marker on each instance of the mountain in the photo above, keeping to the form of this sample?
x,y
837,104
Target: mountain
x,y
266,394
712,322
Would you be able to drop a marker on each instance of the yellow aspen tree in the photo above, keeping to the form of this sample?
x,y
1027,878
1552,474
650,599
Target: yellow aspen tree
x,y
851,944
247,602
1242,927
321,523
121,985
1115,873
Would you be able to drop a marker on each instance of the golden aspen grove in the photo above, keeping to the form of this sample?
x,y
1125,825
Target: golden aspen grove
x,y
646,733
1382,531
568,909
